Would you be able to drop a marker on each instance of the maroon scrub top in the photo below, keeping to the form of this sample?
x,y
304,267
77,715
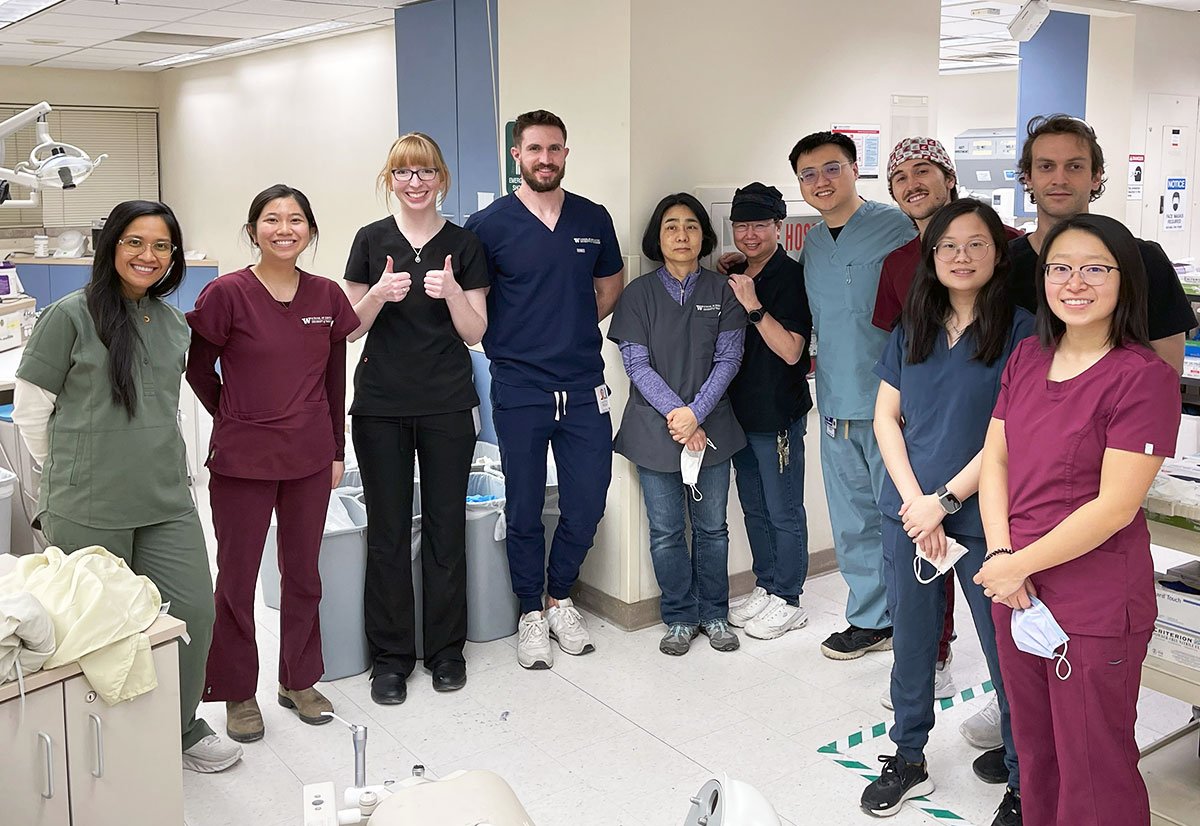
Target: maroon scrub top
x,y
278,404
1056,434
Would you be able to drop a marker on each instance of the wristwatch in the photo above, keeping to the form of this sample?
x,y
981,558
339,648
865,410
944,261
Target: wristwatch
x,y
949,502
755,316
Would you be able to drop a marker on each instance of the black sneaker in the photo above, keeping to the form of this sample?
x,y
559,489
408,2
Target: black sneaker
x,y
854,642
1009,813
989,766
898,782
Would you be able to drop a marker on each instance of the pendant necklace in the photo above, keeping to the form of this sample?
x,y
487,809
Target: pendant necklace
x,y
417,250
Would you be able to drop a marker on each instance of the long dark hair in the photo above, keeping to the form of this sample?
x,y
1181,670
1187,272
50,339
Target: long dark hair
x,y
928,301
106,302
1128,323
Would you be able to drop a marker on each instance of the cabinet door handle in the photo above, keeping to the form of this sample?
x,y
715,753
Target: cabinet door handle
x,y
47,747
98,735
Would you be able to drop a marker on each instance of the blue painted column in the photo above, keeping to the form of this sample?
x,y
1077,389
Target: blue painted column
x,y
1052,77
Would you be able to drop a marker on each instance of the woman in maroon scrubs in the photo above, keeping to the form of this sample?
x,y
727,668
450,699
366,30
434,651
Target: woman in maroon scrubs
x,y
1085,416
278,409
418,283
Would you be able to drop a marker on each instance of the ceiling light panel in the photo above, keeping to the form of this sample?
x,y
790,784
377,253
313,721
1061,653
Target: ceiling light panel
x,y
12,11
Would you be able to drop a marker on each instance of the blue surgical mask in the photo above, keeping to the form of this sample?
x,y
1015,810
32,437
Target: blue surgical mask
x,y
1035,631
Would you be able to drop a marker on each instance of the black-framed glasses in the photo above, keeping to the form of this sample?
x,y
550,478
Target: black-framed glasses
x,y
425,173
947,252
1092,274
136,246
830,170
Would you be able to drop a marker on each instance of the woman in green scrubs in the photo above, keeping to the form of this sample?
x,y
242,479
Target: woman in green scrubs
x,y
97,398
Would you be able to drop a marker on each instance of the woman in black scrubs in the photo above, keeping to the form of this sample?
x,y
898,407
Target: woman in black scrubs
x,y
418,284
681,331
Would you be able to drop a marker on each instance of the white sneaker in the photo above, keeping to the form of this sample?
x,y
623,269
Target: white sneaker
x,y
776,620
533,642
568,629
211,754
982,730
748,607
943,685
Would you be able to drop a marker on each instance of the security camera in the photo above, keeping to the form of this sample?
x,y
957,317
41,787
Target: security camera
x,y
1029,19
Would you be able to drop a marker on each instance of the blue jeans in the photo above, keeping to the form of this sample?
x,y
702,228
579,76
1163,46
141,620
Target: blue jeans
x,y
695,586
773,502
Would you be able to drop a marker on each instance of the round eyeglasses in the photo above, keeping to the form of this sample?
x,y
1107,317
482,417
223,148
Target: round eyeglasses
x,y
136,246
947,252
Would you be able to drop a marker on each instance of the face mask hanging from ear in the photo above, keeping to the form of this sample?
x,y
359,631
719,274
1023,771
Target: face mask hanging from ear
x,y
1035,631
689,465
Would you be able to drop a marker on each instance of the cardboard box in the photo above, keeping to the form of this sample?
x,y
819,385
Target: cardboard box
x,y
1178,611
1174,646
16,321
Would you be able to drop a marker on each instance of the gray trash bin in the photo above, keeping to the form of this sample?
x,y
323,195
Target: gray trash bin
x,y
343,567
492,607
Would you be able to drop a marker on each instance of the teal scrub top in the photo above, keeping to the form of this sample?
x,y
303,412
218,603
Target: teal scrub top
x,y
105,470
842,278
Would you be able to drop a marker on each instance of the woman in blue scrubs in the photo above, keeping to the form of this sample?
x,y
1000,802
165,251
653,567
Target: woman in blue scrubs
x,y
940,375
681,332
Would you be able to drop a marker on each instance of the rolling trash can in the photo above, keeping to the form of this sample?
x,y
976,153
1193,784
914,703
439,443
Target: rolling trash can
x,y
492,607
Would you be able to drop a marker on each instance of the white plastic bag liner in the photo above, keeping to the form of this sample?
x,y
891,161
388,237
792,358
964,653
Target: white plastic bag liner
x,y
487,457
337,518
488,483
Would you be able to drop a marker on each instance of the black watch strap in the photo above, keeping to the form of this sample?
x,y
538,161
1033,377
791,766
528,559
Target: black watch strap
x,y
756,316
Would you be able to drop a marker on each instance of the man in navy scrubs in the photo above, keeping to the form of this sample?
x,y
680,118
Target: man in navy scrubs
x,y
556,271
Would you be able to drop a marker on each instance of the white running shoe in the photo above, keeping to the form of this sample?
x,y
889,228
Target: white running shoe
x,y
982,730
211,754
943,685
568,629
533,641
776,620
748,607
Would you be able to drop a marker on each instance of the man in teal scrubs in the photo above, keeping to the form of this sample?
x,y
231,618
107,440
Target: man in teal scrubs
x,y
842,256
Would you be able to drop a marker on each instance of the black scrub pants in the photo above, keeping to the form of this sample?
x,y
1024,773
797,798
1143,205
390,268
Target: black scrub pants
x,y
444,445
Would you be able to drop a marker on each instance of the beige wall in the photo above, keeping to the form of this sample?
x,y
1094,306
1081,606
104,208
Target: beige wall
x,y
59,87
319,116
980,100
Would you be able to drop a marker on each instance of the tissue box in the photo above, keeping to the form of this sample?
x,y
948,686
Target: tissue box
x,y
1177,611
1174,646
16,321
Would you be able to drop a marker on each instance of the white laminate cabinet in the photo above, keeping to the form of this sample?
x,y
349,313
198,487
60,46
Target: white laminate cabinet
x,y
74,760
125,766
33,761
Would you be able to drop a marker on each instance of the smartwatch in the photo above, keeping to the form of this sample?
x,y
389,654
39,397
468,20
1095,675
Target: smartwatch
x,y
755,316
950,503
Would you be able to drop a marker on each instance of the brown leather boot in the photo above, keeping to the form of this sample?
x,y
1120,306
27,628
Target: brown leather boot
x,y
308,703
243,721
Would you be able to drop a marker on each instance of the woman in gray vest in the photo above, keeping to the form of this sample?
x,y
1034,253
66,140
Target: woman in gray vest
x,y
681,331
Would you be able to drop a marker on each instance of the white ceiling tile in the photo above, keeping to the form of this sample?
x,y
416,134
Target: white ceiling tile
x,y
188,27
260,22
68,63
13,60
68,35
28,50
115,49
146,48
141,11
287,8
189,5
112,26
373,16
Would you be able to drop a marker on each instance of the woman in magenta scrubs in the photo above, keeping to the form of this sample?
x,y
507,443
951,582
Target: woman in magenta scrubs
x,y
1085,416
278,409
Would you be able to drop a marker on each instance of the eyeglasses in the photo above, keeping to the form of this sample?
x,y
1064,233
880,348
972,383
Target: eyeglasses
x,y
947,252
831,170
136,246
1092,274
756,227
405,175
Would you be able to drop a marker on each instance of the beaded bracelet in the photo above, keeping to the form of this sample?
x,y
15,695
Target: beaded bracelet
x,y
997,552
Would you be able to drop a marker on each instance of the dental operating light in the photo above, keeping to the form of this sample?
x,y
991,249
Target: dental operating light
x,y
52,164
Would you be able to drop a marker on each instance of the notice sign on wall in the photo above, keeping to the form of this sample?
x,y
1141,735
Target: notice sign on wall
x,y
866,141
1175,205
512,174
1137,170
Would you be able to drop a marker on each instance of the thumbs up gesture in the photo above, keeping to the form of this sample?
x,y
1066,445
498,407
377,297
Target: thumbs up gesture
x,y
442,283
392,286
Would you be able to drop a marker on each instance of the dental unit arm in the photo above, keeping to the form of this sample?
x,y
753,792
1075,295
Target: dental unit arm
x,y
52,164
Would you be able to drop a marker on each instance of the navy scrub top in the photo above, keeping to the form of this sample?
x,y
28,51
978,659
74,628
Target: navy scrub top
x,y
947,403
542,327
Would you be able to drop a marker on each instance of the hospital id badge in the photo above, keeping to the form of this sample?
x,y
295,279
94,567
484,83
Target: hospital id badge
x,y
830,425
602,401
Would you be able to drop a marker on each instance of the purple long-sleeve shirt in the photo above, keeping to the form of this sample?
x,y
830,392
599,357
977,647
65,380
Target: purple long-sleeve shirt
x,y
727,358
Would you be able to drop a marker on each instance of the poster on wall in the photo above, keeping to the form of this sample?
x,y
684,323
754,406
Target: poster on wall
x,y
1175,205
1137,170
512,175
866,141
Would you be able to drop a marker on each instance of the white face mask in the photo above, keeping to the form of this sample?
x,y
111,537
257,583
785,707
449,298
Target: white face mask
x,y
689,466
1035,631
954,552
